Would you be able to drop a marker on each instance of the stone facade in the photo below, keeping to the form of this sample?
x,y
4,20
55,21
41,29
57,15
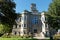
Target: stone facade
x,y
30,23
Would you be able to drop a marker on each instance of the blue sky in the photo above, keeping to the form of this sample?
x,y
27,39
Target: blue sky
x,y
42,5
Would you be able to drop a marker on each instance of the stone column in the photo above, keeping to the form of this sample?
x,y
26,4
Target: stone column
x,y
22,25
22,33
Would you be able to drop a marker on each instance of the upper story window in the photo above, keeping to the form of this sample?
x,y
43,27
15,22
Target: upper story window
x,y
25,17
14,26
20,19
23,25
35,20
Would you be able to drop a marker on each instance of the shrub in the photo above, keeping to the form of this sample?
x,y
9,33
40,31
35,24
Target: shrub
x,y
56,36
5,36
4,28
9,35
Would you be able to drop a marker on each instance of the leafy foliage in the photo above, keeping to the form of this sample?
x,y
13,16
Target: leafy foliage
x,y
57,36
8,15
53,17
7,8
54,14
4,28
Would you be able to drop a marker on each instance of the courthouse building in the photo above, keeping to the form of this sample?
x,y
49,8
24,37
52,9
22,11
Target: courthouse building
x,y
30,22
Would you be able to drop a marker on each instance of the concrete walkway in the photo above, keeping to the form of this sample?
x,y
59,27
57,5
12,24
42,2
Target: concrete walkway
x,y
41,38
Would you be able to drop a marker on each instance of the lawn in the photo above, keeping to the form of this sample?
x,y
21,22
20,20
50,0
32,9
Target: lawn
x,y
17,39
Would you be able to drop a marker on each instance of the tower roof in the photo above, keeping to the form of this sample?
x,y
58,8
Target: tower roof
x,y
33,7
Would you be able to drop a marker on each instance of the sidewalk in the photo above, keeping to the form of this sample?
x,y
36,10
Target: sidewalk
x,y
41,37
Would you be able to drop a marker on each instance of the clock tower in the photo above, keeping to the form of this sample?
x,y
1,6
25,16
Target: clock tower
x,y
33,8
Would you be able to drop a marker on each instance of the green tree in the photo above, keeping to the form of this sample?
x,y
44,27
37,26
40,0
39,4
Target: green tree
x,y
4,28
53,14
7,9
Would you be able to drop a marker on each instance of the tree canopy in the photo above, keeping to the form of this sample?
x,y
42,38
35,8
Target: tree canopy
x,y
54,14
7,9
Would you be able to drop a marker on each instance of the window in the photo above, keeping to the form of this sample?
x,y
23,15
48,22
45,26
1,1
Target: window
x,y
19,32
35,30
15,33
20,19
24,25
19,25
17,19
24,32
35,20
16,26
25,17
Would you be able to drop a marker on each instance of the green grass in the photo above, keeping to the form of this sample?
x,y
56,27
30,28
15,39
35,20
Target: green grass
x,y
17,39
